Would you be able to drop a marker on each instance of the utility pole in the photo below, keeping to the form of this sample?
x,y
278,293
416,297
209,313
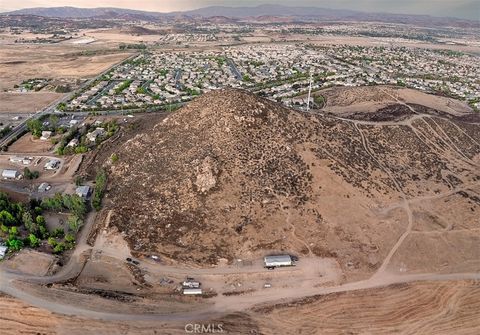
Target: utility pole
x,y
309,91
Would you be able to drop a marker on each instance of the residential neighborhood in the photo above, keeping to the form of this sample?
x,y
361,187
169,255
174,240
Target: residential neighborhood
x,y
279,72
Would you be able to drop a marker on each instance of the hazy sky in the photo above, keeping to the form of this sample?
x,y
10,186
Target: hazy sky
x,y
459,8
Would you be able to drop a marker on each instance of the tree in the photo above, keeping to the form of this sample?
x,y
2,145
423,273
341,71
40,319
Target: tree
x,y
15,244
58,232
100,184
29,223
40,220
52,241
75,223
35,127
7,219
59,248
53,121
69,238
30,174
33,241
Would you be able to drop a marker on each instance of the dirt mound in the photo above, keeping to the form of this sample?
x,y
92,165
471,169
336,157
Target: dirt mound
x,y
232,176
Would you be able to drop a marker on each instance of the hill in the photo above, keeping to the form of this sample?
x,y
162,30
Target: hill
x,y
234,176
276,13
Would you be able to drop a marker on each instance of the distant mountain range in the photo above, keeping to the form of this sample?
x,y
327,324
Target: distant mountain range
x,y
243,13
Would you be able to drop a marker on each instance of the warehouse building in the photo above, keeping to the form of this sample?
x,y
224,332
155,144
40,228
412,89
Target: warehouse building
x,y
276,261
11,174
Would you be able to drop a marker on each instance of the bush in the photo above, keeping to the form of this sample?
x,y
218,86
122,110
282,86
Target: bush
x,y
114,158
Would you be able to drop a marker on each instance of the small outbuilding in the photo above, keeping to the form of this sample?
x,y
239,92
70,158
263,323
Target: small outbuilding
x,y
52,164
83,191
11,174
46,134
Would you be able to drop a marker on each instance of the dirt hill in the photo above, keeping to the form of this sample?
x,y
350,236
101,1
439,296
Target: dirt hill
x,y
234,176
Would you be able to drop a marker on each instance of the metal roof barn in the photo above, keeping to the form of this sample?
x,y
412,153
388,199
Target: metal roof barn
x,y
10,174
277,261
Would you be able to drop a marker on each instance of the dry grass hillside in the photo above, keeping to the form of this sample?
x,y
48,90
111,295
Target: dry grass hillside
x,y
234,176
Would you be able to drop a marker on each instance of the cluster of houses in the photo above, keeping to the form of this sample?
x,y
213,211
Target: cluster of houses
x,y
279,72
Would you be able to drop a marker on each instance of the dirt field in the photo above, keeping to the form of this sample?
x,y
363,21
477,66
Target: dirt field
x,y
21,62
27,103
31,262
423,308
27,143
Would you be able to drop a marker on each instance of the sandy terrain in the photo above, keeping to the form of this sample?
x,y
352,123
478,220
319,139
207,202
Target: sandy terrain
x,y
423,308
19,318
20,62
27,143
346,100
30,262
27,103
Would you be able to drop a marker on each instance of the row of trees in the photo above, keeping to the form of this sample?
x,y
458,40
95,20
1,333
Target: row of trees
x,y
100,184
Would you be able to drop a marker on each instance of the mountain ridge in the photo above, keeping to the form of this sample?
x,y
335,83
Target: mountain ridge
x,y
301,13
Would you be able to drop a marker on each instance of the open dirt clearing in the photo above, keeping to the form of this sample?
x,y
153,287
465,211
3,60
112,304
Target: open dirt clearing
x,y
30,262
21,62
27,143
417,308
26,103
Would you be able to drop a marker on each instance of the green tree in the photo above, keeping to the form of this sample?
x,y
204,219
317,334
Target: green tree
x,y
40,220
53,119
58,232
74,223
7,219
35,127
30,174
59,248
100,184
33,241
29,223
14,244
52,241
69,238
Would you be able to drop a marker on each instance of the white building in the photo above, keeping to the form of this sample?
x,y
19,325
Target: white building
x,y
52,164
83,191
192,291
278,261
46,134
11,174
